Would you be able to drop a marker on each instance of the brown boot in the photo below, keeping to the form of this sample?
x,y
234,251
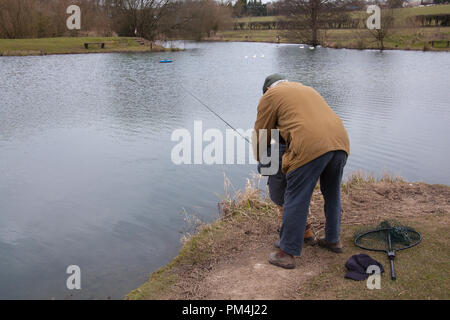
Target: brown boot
x,y
335,247
309,237
281,259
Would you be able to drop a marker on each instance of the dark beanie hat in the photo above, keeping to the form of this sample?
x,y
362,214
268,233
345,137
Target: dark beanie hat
x,y
270,80
357,266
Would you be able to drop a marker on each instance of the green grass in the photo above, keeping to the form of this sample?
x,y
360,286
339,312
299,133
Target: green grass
x,y
256,19
249,35
399,38
62,45
422,271
402,14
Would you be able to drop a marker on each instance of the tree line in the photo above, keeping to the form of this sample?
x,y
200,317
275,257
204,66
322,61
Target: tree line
x,y
304,21
307,21
150,19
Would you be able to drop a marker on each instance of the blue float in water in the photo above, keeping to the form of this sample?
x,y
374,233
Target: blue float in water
x,y
165,61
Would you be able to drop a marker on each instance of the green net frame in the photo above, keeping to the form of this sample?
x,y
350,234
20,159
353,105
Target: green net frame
x,y
400,237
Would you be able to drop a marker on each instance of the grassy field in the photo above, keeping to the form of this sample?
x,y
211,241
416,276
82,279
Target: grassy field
x,y
67,45
405,35
227,259
422,271
400,14
399,38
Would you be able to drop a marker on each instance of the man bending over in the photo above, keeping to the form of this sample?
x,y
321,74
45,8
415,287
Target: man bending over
x,y
317,146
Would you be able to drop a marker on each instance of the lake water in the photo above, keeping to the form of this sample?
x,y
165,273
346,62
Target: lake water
x,y
86,176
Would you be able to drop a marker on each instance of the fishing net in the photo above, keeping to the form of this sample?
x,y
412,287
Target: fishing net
x,y
389,236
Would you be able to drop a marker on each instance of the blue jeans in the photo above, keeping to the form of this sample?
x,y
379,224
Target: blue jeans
x,y
300,186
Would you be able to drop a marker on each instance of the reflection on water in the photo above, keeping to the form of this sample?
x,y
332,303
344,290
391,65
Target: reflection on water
x,y
85,170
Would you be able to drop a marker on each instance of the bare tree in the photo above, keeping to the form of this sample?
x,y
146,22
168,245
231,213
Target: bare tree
x,y
306,17
195,19
141,15
394,3
150,19
386,27
204,18
17,18
47,18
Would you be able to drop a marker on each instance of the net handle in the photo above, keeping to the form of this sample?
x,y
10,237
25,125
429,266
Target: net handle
x,y
391,256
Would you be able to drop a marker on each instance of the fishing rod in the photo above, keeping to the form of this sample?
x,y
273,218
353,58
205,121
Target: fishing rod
x,y
215,113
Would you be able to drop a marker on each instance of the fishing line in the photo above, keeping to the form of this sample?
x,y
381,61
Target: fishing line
x,y
215,113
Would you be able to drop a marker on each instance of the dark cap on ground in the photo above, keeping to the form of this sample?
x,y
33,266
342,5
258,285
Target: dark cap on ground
x,y
270,80
357,266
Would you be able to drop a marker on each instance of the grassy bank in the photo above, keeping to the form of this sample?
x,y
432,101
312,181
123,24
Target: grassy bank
x,y
405,35
70,45
400,38
227,259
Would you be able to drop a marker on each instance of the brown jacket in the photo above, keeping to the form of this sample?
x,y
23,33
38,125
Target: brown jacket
x,y
306,123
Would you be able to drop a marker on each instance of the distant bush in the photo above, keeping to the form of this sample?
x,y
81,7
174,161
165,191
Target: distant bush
x,y
434,20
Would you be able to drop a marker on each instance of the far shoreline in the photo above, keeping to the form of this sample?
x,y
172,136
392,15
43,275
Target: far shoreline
x,y
75,45
428,49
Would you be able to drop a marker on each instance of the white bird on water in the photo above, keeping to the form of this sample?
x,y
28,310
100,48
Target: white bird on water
x,y
301,47
311,48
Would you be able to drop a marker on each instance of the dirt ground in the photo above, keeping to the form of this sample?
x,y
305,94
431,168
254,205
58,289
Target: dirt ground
x,y
229,259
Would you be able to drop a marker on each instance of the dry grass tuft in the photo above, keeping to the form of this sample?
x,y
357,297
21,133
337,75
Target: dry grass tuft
x,y
252,200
